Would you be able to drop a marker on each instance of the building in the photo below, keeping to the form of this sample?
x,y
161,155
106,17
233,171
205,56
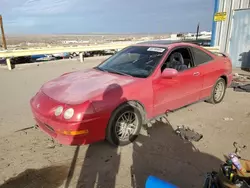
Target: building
x,y
231,30
75,42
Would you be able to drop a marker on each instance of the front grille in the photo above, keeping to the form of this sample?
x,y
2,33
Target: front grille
x,y
49,127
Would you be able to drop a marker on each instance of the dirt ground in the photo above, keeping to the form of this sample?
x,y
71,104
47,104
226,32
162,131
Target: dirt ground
x,y
28,160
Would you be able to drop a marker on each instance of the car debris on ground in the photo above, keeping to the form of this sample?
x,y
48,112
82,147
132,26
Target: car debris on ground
x,y
239,148
27,128
242,88
51,144
241,83
187,134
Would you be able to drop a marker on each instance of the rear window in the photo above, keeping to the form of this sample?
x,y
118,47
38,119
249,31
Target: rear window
x,y
201,57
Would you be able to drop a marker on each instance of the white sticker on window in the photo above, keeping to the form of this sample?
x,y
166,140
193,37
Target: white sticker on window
x,y
154,49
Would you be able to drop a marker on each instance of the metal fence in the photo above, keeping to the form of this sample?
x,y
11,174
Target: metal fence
x,y
8,54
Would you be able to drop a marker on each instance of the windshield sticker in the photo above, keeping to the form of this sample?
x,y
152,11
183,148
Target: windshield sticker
x,y
153,49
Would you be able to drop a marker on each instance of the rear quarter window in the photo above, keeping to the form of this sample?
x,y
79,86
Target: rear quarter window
x,y
201,57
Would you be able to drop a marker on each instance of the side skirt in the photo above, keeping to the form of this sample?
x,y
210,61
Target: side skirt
x,y
163,117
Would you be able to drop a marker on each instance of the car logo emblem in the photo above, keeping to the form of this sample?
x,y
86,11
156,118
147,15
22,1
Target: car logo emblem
x,y
38,105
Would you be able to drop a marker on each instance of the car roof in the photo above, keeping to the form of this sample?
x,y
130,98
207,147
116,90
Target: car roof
x,y
168,43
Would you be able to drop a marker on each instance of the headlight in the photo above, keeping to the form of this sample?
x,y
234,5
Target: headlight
x,y
58,111
68,113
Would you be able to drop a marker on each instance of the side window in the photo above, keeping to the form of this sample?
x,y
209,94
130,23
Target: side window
x,y
179,59
201,57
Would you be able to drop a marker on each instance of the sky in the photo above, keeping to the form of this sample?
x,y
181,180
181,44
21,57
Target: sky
x,y
105,16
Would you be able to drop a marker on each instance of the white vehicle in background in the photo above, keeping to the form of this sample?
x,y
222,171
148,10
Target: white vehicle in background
x,y
46,58
109,52
93,53
61,55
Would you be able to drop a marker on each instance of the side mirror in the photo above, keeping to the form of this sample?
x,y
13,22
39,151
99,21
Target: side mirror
x,y
169,73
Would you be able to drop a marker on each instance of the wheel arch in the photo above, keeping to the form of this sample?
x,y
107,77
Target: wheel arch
x,y
225,78
211,98
135,103
141,107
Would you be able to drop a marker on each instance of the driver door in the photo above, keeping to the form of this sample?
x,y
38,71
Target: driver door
x,y
179,91
166,95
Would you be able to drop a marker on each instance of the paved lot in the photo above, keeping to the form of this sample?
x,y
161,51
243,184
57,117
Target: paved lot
x,y
26,160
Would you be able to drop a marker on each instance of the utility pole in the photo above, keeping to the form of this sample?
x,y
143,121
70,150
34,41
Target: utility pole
x,y
4,43
2,32
197,31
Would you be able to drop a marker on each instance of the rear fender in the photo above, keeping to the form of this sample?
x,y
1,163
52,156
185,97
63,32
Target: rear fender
x,y
224,57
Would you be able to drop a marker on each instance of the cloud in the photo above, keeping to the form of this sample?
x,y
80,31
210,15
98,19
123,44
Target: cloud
x,y
7,5
21,22
44,7
79,16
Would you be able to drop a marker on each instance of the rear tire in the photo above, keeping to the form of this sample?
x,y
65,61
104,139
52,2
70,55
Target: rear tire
x,y
119,123
218,92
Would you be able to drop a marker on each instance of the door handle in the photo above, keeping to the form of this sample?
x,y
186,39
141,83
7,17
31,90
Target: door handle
x,y
196,74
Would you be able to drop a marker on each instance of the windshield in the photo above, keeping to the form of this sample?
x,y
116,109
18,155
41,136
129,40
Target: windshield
x,y
136,61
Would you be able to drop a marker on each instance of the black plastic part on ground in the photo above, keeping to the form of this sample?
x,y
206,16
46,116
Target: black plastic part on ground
x,y
242,88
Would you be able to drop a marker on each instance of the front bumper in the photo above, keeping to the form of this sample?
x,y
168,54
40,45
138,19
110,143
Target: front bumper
x,y
62,138
71,133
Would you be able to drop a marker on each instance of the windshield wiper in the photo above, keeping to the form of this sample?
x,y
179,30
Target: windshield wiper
x,y
112,71
117,72
100,69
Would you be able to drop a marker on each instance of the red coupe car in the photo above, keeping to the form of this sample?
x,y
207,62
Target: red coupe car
x,y
131,88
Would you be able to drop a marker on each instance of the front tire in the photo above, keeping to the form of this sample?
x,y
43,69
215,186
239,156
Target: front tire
x,y
218,92
124,125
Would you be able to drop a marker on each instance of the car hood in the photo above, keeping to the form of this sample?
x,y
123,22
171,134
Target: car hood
x,y
80,86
